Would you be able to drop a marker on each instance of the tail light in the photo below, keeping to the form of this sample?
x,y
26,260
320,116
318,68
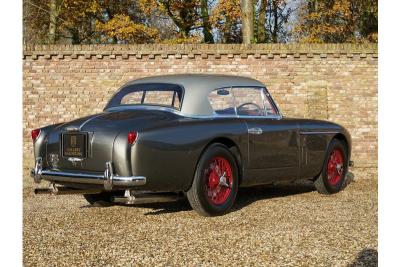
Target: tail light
x,y
132,137
35,134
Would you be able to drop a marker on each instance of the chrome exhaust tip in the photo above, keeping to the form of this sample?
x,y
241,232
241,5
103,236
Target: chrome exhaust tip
x,y
132,197
62,190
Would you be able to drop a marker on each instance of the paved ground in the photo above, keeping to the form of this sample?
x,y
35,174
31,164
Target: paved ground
x,y
286,225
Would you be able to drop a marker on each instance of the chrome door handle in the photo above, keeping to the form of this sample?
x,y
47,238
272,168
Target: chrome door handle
x,y
255,131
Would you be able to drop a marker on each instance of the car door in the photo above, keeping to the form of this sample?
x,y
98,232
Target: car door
x,y
273,143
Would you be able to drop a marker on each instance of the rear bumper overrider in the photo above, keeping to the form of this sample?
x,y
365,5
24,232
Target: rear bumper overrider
x,y
108,179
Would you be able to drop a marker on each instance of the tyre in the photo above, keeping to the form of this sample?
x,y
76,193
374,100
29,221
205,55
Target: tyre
x,y
215,182
103,199
335,168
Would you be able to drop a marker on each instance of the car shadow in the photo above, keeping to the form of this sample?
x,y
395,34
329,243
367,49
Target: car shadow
x,y
245,197
367,257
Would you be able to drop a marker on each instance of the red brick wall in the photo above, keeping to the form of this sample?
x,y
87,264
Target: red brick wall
x,y
333,82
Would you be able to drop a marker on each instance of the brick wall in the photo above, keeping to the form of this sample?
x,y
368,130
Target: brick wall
x,y
333,82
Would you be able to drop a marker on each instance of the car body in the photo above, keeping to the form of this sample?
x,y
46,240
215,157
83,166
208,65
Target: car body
x,y
153,132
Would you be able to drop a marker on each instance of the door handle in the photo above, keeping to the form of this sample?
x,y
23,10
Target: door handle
x,y
255,131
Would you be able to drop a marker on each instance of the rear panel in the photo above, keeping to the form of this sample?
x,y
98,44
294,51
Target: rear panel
x,y
168,155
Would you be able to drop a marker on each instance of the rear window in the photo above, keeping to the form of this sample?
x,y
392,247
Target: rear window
x,y
154,94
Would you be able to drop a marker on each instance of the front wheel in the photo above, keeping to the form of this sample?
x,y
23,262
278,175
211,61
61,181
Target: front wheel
x,y
335,168
215,182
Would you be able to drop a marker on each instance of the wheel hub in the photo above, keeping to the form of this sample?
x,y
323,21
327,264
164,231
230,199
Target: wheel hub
x,y
220,180
335,166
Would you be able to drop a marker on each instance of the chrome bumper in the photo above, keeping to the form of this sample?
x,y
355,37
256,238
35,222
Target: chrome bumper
x,y
108,179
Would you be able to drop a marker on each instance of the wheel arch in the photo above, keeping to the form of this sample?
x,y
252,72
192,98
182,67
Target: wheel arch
x,y
342,138
232,147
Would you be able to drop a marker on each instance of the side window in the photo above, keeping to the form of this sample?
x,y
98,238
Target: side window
x,y
159,97
249,101
221,100
152,97
132,98
269,107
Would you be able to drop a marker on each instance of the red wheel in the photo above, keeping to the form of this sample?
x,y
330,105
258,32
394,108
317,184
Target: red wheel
x,y
220,180
215,183
335,166
334,170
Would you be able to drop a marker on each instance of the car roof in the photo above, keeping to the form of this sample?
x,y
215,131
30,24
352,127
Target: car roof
x,y
197,88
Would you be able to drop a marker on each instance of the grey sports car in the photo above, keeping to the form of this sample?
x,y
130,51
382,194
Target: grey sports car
x,y
200,136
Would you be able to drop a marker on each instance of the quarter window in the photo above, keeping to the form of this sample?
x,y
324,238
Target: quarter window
x,y
153,94
152,97
132,98
269,107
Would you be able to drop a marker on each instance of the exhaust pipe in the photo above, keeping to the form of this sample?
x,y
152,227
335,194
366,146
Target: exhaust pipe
x,y
61,190
144,198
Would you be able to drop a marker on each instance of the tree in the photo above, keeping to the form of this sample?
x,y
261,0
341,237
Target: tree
x,y
273,17
226,20
54,11
208,21
35,28
52,21
124,22
185,14
261,27
122,29
208,37
338,21
247,21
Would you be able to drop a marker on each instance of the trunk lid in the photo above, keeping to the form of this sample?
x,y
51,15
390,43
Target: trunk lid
x,y
102,130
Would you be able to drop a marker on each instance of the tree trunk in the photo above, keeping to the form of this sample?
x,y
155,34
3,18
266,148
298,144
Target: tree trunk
x,y
275,13
261,34
247,21
208,37
54,12
312,6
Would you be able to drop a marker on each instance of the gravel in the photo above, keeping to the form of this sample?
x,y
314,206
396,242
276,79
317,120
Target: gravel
x,y
282,225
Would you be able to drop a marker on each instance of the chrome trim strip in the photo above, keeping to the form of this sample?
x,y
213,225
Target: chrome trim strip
x,y
72,175
213,116
108,179
318,132
129,180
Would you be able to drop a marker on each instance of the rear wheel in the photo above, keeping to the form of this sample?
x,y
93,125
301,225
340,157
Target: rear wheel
x,y
103,199
215,183
335,168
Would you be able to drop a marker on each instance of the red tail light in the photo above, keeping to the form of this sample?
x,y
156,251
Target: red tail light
x,y
35,134
132,137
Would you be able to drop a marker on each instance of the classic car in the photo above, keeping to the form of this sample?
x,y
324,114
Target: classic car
x,y
189,135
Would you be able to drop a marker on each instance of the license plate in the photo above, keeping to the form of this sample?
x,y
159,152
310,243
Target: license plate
x,y
74,145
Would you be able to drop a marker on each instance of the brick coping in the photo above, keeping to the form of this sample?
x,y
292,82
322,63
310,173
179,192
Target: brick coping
x,y
323,50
